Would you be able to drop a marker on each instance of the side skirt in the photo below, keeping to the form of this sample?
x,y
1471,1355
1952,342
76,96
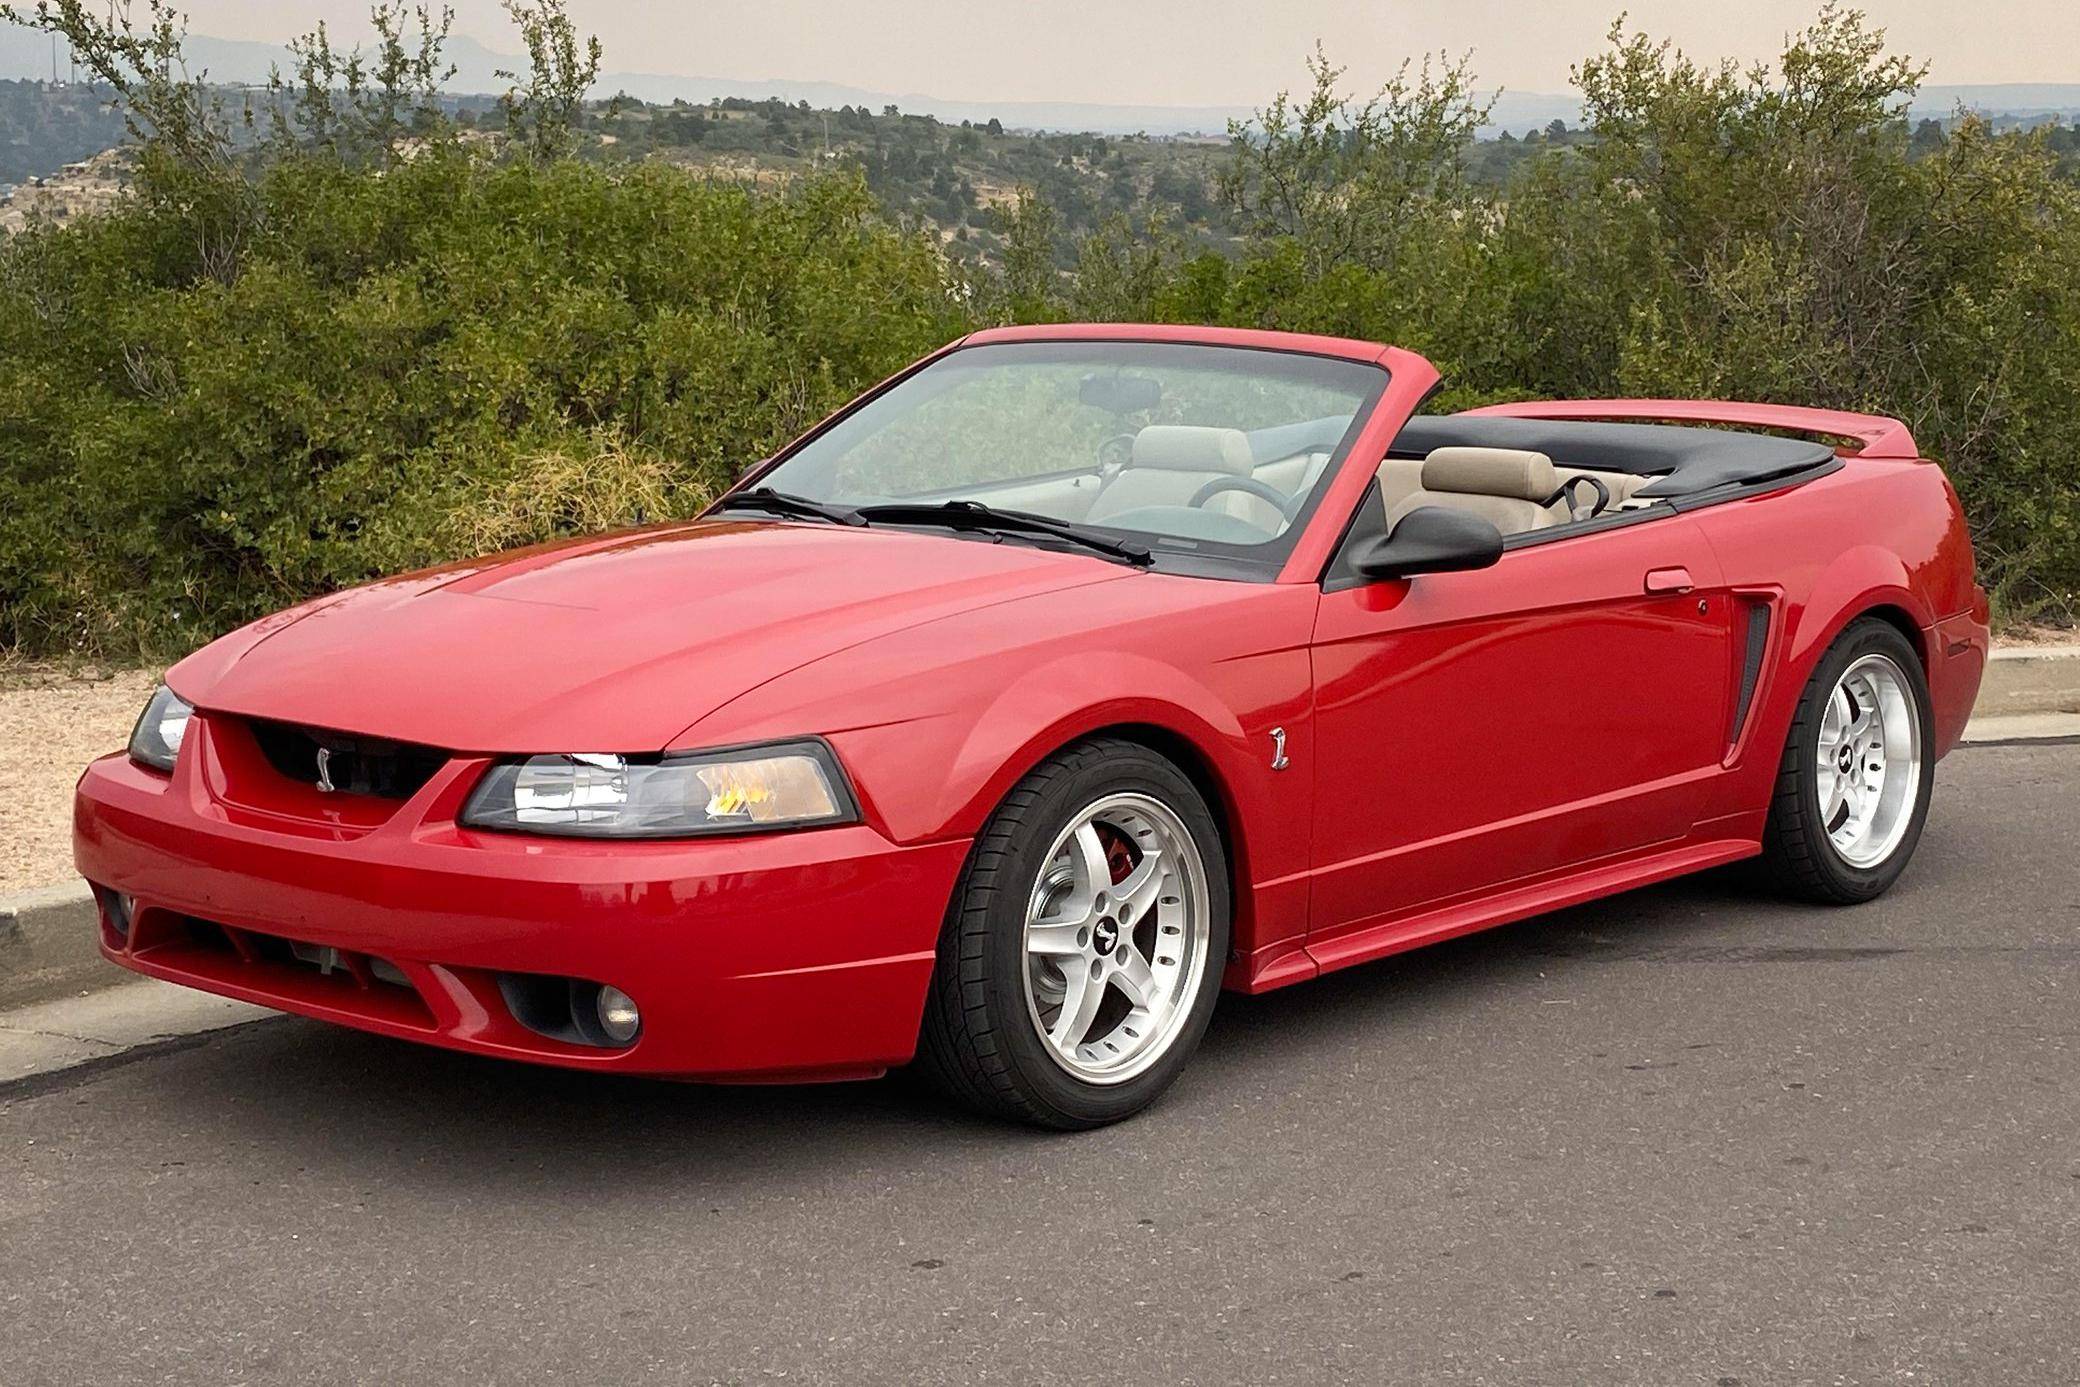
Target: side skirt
x,y
1501,907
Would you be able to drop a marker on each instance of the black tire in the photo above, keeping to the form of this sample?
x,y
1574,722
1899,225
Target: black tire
x,y
1798,856
979,1045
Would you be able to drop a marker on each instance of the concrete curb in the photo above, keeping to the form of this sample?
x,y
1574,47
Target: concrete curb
x,y
50,945
108,1026
2029,679
2022,727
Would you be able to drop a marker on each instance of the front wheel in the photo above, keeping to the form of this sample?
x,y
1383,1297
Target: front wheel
x,y
1854,785
1083,950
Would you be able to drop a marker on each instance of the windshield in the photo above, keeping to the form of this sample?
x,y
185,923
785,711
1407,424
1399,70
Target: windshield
x,y
1185,449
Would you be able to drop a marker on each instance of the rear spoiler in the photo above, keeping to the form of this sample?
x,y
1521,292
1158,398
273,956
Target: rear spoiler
x,y
1878,436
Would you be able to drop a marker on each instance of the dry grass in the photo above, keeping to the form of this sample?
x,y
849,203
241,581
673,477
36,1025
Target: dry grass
x,y
553,495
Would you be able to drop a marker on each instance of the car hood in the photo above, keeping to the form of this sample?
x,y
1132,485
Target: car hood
x,y
608,645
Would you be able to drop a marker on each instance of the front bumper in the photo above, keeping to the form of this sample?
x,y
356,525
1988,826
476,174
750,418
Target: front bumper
x,y
784,956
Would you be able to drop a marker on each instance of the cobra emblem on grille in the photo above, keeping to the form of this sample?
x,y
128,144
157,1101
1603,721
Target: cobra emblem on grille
x,y
325,785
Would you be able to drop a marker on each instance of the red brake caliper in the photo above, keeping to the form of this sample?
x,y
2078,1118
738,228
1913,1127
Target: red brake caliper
x,y
1119,852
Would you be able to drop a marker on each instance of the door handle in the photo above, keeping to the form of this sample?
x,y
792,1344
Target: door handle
x,y
1665,580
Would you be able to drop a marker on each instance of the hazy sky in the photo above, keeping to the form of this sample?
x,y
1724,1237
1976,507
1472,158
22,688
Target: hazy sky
x,y
1200,52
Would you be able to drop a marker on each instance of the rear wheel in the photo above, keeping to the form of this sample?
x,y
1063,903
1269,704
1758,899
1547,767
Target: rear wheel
x,y
1853,787
1083,950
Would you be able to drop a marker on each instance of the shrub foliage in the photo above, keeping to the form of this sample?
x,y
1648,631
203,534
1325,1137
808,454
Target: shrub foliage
x,y
370,341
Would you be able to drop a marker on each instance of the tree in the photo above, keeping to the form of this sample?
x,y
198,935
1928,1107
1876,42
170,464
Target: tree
x,y
360,110
543,115
1029,280
1343,182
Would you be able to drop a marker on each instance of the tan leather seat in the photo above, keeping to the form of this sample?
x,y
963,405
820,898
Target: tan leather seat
x,y
1504,485
1170,463
1399,479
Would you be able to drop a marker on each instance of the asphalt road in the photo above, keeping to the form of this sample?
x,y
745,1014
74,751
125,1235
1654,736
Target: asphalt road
x,y
1686,1136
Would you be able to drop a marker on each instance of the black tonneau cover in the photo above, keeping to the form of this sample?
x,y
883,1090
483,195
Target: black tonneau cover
x,y
1687,461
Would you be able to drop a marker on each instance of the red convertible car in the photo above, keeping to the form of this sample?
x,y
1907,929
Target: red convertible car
x,y
1059,683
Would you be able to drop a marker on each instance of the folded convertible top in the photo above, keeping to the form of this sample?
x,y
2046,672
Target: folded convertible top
x,y
1685,461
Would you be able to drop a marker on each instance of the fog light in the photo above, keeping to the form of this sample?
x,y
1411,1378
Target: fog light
x,y
618,1016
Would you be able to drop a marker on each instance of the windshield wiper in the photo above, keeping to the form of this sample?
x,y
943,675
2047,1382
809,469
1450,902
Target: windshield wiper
x,y
976,517
772,502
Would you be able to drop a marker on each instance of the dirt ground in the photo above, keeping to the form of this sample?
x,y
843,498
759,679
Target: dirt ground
x,y
51,724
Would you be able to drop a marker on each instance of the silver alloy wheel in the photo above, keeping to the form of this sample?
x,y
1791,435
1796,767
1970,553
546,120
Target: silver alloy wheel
x,y
1116,938
1868,763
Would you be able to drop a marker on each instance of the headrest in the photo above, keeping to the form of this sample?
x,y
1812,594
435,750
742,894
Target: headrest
x,y
1192,448
1511,472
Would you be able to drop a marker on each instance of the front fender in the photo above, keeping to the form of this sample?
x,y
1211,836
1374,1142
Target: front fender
x,y
1051,706
943,777
935,725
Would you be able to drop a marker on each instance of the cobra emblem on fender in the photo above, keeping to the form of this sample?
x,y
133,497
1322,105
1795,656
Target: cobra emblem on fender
x,y
325,785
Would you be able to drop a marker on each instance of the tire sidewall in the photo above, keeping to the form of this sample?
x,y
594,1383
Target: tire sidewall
x,y
1864,637
1075,1102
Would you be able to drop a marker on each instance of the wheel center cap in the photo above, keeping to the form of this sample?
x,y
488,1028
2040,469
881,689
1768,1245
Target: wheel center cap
x,y
1847,758
1105,936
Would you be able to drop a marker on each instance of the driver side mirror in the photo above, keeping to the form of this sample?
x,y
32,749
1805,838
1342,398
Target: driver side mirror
x,y
1431,539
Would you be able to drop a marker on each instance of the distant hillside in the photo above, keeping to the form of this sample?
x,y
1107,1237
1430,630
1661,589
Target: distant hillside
x,y
25,53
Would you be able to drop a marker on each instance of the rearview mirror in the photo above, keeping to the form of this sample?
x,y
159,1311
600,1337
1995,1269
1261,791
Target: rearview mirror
x,y
1431,539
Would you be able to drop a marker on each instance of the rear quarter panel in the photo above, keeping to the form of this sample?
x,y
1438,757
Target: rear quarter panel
x,y
1874,535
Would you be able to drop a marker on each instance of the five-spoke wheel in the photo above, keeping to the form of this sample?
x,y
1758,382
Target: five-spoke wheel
x,y
1114,935
1083,950
1869,762
1853,786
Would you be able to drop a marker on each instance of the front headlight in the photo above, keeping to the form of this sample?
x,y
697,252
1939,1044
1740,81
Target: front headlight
x,y
795,785
156,740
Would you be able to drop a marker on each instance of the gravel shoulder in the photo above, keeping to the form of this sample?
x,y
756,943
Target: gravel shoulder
x,y
52,722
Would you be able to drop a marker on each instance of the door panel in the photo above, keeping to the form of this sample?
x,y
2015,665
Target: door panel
x,y
1476,728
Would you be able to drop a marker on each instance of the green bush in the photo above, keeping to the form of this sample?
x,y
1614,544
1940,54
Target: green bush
x,y
395,360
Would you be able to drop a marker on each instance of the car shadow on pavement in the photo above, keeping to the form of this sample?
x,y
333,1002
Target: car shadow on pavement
x,y
335,1098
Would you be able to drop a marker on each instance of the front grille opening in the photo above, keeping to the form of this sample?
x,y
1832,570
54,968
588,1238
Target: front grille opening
x,y
347,764
363,968
365,984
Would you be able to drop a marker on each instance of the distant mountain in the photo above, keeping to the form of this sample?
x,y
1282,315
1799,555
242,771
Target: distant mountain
x,y
2023,99
26,53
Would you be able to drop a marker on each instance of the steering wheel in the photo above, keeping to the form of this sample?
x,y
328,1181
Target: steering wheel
x,y
1601,504
1270,495
1116,452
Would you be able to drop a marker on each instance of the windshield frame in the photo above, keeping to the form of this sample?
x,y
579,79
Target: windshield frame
x,y
1263,562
